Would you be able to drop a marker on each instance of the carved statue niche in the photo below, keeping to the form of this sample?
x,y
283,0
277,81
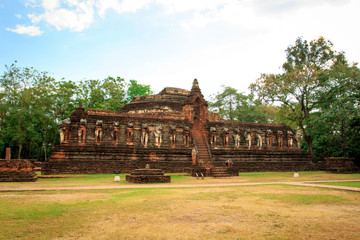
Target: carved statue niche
x,y
129,133
172,136
280,139
259,139
226,137
237,138
98,131
157,134
65,135
115,133
290,136
62,134
213,136
187,136
144,135
82,131
247,136
269,135
298,137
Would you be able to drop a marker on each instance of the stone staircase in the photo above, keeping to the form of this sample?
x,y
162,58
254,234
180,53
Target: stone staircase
x,y
220,172
203,151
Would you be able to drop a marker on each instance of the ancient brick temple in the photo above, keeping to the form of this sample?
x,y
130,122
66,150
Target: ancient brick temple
x,y
172,131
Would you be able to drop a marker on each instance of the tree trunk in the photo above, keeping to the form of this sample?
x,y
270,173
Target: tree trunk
x,y
19,153
308,139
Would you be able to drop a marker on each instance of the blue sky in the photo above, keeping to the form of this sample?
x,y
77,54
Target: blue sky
x,y
169,42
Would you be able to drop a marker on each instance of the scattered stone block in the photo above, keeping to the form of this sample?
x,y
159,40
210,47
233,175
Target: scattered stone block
x,y
17,170
148,176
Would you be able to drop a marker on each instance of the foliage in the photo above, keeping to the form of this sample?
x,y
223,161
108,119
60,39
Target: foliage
x,y
135,89
232,105
307,84
33,103
106,94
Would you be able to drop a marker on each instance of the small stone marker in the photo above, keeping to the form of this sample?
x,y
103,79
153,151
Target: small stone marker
x,y
117,179
296,174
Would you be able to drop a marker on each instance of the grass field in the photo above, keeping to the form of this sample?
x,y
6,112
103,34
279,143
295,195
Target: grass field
x,y
238,212
107,179
345,184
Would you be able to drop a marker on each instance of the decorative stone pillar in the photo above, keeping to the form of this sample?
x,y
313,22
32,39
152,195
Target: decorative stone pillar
x,y
144,135
157,134
193,155
248,137
186,136
290,139
172,136
280,139
8,154
62,134
116,133
259,139
237,138
269,135
298,139
82,131
66,130
130,134
213,136
226,137
98,131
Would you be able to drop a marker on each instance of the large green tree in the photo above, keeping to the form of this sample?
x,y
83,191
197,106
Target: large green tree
x,y
307,84
27,95
333,123
233,105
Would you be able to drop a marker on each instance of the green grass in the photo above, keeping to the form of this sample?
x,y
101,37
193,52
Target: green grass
x,y
305,198
345,184
99,180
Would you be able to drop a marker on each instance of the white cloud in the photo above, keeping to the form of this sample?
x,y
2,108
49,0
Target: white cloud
x,y
28,30
50,4
172,6
121,6
78,16
233,13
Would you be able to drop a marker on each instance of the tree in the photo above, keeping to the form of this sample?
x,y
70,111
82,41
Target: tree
x,y
232,105
107,94
27,93
336,115
306,72
135,89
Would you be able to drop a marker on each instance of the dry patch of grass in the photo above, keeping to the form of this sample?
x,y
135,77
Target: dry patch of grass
x,y
246,212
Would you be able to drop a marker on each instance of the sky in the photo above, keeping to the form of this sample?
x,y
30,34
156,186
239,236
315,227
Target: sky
x,y
168,43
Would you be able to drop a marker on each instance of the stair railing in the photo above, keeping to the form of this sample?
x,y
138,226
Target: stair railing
x,y
208,147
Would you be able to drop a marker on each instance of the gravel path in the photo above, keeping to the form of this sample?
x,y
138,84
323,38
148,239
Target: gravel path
x,y
305,183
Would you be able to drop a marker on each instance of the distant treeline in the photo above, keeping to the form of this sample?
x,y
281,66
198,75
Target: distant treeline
x,y
33,104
